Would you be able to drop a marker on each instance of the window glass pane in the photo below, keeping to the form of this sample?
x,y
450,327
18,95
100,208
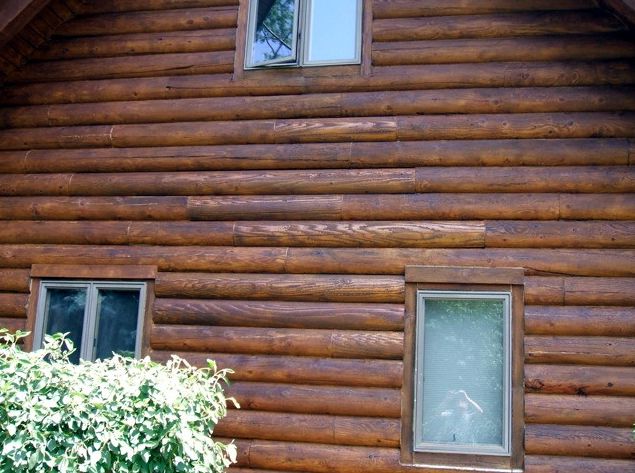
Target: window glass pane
x,y
117,315
463,372
64,312
333,30
274,34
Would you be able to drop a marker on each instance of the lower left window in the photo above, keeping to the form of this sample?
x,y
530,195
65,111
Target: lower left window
x,y
100,317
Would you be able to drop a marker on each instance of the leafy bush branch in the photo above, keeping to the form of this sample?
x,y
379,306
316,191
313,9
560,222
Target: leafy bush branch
x,y
115,415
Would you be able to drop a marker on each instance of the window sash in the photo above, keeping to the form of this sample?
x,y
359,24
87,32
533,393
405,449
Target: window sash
x,y
87,347
291,58
438,447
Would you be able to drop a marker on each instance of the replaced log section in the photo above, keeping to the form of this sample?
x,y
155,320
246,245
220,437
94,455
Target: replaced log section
x,y
580,380
415,8
541,152
550,48
506,179
322,234
501,25
560,464
339,430
519,100
14,280
151,22
579,441
598,291
150,65
142,43
307,399
94,208
13,305
515,234
328,288
304,370
580,350
232,183
610,411
294,342
273,82
582,320
237,313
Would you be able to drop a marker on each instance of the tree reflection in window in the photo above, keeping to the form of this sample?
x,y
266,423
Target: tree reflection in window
x,y
274,35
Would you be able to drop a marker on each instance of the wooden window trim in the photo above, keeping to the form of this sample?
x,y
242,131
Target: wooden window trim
x,y
464,280
141,273
295,72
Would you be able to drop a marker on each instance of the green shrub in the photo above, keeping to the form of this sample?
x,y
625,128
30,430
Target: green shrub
x,y
116,415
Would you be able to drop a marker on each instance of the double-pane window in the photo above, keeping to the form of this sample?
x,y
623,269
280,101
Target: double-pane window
x,y
303,32
100,317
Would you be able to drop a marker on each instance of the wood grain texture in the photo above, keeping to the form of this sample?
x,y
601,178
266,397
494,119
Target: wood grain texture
x,y
309,399
110,6
279,314
563,464
13,305
579,441
14,280
608,411
338,430
300,370
611,351
581,320
580,380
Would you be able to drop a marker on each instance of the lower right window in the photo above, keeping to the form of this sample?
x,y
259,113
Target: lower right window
x,y
463,399
462,395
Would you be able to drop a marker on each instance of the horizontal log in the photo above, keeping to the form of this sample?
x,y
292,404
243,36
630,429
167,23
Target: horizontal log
x,y
595,291
140,43
278,341
541,290
495,25
13,324
324,234
334,261
308,399
548,48
14,280
339,430
534,179
541,152
13,305
579,441
146,65
609,411
94,208
151,21
614,351
541,74
412,8
230,182
328,130
584,207
386,103
583,320
565,464
111,6
279,314
580,380
300,370
326,288
518,234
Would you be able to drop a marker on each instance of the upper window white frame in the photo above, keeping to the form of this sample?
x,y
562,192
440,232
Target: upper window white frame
x,y
88,339
436,447
302,36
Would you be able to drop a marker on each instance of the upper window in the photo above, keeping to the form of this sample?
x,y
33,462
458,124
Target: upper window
x,y
101,317
303,32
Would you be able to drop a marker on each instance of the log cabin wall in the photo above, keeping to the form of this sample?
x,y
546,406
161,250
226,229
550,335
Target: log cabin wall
x,y
281,207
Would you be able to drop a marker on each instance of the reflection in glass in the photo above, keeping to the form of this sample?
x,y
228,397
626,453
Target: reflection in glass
x,y
274,34
64,312
117,315
333,30
463,370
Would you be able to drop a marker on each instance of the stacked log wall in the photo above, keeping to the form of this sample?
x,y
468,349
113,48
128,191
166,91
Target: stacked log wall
x,y
282,206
